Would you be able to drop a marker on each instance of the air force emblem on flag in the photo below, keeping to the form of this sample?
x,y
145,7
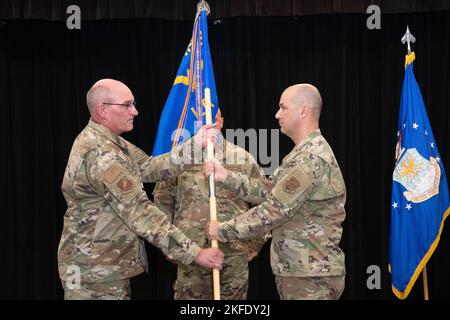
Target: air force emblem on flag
x,y
419,176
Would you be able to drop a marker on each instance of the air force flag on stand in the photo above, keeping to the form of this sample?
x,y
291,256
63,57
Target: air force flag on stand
x,y
183,113
420,198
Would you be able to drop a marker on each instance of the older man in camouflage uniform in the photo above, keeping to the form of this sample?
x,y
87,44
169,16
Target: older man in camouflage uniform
x,y
302,203
108,209
185,200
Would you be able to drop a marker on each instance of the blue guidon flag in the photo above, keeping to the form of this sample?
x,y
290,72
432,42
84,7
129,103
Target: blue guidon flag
x,y
420,198
184,112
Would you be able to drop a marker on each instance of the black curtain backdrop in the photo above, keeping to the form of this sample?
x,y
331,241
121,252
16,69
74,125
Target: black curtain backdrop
x,y
55,10
46,70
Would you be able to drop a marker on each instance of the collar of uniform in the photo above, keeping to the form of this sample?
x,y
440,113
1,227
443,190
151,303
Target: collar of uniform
x,y
108,134
308,138
297,148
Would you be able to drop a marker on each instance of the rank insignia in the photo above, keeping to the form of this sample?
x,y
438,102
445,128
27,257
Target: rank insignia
x,y
291,185
125,184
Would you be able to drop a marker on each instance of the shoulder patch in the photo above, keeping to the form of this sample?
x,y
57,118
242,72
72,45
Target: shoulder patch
x,y
121,184
291,187
112,173
125,184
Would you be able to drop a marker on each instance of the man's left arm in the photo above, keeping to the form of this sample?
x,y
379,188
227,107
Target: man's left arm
x,y
173,163
165,166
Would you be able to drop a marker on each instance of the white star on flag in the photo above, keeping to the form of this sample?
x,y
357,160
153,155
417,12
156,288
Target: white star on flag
x,y
438,159
404,125
395,205
432,144
408,206
415,125
426,132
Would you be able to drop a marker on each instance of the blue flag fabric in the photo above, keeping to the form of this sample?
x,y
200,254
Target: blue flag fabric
x,y
420,198
183,112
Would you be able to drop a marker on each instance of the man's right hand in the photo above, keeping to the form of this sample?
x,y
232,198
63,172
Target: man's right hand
x,y
206,132
220,173
210,258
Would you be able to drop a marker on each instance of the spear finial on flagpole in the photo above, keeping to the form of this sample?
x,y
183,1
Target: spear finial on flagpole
x,y
408,38
203,5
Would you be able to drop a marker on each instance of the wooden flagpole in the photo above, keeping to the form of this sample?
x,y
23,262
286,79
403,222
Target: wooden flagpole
x,y
212,192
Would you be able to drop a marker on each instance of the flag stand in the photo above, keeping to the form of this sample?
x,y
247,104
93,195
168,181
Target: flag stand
x,y
425,283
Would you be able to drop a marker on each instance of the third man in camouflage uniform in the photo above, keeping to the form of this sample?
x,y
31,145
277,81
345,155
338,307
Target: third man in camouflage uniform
x,y
185,200
302,203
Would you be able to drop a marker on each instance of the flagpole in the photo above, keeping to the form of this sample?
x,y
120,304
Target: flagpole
x,y
425,283
204,6
212,192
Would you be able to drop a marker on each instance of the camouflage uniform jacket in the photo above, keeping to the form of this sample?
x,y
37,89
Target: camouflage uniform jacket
x,y
185,199
303,204
107,209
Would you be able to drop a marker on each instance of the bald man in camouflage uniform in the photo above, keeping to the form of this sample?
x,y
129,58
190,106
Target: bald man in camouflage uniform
x,y
302,203
185,200
107,208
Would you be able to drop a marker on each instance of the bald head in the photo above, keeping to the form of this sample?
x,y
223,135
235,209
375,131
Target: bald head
x,y
104,90
299,111
111,104
304,94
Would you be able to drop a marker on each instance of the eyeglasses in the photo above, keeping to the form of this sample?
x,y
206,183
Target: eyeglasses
x,y
129,105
